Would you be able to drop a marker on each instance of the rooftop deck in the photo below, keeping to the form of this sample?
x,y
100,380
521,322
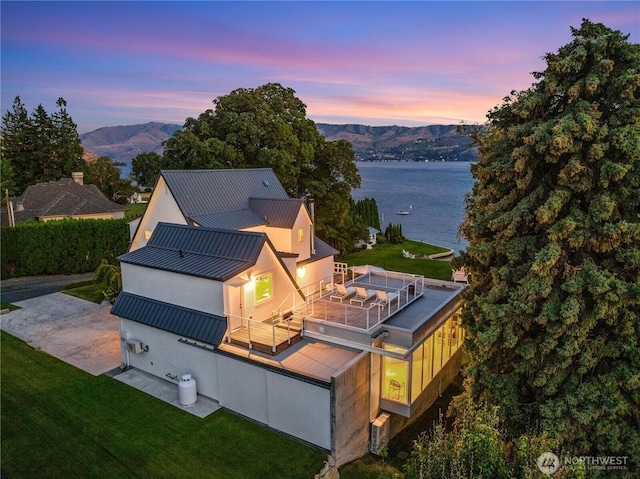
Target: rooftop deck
x,y
356,312
411,300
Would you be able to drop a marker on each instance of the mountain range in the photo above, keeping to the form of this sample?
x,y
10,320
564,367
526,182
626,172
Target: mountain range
x,y
370,143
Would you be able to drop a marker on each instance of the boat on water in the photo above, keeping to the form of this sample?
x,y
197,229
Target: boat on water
x,y
404,212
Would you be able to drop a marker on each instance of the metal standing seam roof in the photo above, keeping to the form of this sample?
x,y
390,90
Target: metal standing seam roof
x,y
198,251
196,325
232,220
323,250
277,212
199,192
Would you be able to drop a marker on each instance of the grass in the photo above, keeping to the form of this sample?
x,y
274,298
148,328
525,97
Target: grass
x,y
58,421
9,306
389,256
87,290
133,210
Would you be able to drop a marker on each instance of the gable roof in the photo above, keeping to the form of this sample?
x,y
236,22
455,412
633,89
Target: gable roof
x,y
229,220
277,212
207,192
197,325
198,251
322,250
64,197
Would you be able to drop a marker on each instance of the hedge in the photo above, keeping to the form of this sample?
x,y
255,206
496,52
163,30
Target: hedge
x,y
61,247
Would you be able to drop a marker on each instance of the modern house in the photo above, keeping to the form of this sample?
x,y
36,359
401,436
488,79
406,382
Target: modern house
x,y
65,198
226,281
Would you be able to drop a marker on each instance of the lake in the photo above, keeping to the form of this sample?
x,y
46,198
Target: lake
x,y
432,193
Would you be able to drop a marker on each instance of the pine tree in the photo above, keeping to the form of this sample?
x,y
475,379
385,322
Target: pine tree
x,y
40,147
553,223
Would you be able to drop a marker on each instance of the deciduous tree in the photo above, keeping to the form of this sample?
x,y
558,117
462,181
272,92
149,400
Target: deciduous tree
x,y
105,174
267,127
553,223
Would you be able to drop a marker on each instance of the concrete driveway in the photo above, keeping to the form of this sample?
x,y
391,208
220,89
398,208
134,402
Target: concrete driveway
x,y
76,331
86,335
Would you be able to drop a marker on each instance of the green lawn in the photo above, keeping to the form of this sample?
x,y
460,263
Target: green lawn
x,y
58,421
134,209
87,290
389,256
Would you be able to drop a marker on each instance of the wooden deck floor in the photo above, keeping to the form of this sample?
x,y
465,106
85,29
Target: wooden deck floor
x,y
265,338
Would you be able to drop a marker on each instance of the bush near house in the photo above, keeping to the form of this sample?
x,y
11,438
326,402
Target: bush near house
x,y
61,247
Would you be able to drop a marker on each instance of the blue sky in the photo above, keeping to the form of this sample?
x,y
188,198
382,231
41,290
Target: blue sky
x,y
376,63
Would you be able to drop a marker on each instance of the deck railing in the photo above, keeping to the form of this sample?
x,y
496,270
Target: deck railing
x,y
369,313
250,331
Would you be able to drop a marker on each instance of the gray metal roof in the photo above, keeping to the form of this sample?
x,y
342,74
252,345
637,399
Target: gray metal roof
x,y
198,251
197,325
277,212
199,192
232,220
322,251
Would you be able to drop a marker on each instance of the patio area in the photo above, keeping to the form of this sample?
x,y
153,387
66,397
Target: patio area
x,y
360,305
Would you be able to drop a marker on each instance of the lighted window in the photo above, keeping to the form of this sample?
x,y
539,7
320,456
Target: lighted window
x,y
395,376
147,234
263,287
301,234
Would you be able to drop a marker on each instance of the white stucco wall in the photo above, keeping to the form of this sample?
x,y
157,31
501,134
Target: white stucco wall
x,y
292,406
167,355
188,291
162,207
314,272
287,404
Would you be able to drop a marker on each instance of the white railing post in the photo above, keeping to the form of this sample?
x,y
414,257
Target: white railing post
x,y
249,331
273,334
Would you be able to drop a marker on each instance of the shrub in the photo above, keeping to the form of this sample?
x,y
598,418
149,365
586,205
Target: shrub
x,y
61,247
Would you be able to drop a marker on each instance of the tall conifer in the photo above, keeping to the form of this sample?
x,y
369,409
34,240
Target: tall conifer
x,y
553,223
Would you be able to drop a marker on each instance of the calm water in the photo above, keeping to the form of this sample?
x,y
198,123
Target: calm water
x,y
433,194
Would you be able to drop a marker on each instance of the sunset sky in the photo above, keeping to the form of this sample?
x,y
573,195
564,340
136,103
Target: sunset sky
x,y
375,63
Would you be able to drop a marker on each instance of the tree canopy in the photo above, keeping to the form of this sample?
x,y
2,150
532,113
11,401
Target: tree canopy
x,y
105,174
267,127
40,147
553,223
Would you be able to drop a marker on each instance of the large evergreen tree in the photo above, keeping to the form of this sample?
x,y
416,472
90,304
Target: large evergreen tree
x,y
267,127
40,147
553,223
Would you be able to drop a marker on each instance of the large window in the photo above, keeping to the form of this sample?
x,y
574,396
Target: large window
x,y
395,376
401,383
264,289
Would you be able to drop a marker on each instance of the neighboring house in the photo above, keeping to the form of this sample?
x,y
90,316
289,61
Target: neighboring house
x,y
65,198
226,281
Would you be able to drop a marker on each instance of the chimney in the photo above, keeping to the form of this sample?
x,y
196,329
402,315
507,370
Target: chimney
x,y
78,177
312,214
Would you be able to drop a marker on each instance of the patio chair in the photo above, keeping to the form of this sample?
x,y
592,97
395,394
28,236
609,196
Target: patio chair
x,y
342,292
362,295
398,388
383,298
459,276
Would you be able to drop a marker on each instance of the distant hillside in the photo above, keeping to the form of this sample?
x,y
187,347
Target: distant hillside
x,y
370,143
123,143
374,143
